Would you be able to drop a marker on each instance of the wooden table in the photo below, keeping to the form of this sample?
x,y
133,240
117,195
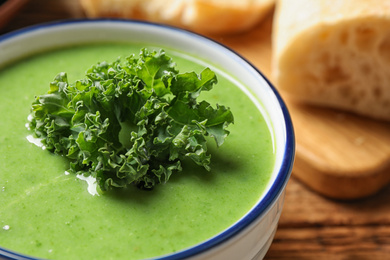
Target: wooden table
x,y
311,226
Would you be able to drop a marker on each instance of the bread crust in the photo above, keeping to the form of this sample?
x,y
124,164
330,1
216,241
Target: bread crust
x,y
334,53
202,16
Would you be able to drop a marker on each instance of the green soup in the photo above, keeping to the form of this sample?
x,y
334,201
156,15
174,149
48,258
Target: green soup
x,y
47,213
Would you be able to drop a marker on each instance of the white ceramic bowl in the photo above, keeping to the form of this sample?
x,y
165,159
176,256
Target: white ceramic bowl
x,y
251,236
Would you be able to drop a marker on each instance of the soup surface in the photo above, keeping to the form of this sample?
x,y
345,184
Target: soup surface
x,y
47,213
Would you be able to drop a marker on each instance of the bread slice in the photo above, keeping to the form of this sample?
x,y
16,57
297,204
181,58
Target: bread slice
x,y
334,53
204,16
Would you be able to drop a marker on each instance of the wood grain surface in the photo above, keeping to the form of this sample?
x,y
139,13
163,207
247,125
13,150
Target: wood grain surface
x,y
312,226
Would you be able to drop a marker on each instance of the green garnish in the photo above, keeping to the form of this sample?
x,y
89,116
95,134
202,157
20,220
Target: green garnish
x,y
131,121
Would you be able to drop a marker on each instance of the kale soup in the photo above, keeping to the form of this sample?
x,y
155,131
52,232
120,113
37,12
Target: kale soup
x,y
48,211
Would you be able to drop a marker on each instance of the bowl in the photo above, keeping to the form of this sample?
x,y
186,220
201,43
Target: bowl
x,y
251,236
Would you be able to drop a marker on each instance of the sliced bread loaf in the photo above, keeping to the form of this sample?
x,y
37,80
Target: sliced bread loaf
x,y
204,16
334,53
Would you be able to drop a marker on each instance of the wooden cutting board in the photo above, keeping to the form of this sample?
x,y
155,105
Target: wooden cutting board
x,y
339,155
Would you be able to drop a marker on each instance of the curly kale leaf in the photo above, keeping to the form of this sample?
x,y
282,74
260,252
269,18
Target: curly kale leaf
x,y
131,121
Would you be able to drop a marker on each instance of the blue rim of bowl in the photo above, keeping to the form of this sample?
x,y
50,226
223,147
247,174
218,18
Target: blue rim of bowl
x,y
259,209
